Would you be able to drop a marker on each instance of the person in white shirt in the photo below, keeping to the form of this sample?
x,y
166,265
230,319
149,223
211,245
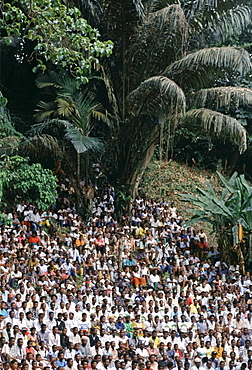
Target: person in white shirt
x,y
54,337
70,352
154,279
19,353
9,349
142,351
197,364
74,336
35,219
51,322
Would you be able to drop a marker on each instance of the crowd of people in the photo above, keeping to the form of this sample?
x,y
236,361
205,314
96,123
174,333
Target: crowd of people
x,y
142,293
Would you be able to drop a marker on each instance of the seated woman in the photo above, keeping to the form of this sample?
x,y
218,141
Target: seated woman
x,y
137,277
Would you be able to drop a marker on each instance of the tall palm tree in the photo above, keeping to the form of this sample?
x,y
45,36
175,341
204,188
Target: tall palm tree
x,y
72,112
158,73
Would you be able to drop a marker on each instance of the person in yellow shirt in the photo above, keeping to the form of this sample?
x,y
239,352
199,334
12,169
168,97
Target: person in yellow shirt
x,y
143,231
155,339
209,349
138,326
218,348
34,262
194,306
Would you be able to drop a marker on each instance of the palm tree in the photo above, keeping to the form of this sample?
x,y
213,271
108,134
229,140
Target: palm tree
x,y
72,112
157,75
67,121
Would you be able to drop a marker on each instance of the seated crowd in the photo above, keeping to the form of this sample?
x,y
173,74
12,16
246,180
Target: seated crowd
x,y
142,293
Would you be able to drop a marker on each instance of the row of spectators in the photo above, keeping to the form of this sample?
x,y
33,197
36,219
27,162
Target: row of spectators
x,y
144,293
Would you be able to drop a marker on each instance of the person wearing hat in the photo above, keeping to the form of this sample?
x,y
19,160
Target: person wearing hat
x,y
85,347
141,255
197,364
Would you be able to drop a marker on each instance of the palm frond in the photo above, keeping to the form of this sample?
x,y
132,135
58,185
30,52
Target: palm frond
x,y
66,108
103,117
134,9
61,81
81,142
152,6
39,128
216,125
111,94
156,96
223,58
91,10
219,97
121,18
210,27
45,110
231,22
201,8
41,145
159,41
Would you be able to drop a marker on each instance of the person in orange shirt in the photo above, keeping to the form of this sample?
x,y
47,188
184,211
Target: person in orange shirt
x,y
34,239
80,242
29,348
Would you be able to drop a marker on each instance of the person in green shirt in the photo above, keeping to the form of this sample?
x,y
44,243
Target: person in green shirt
x,y
128,326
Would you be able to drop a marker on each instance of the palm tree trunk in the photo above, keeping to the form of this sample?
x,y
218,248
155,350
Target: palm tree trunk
x,y
78,167
224,246
168,142
120,250
78,182
233,162
161,140
123,69
241,259
137,177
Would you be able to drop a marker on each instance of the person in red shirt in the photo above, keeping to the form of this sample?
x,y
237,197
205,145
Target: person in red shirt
x,y
29,348
189,300
148,365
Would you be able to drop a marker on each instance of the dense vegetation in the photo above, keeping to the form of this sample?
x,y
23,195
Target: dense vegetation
x,y
230,215
178,75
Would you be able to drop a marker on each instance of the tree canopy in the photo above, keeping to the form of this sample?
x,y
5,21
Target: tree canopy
x,y
29,182
174,65
58,34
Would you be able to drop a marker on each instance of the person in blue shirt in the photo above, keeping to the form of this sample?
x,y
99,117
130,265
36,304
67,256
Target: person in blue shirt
x,y
3,310
61,361
119,324
165,267
129,261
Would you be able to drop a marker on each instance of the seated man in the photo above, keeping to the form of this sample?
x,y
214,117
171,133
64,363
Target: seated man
x,y
130,261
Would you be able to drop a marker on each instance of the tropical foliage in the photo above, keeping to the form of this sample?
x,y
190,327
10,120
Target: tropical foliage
x,y
20,180
226,212
58,32
72,112
167,71
9,137
156,74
